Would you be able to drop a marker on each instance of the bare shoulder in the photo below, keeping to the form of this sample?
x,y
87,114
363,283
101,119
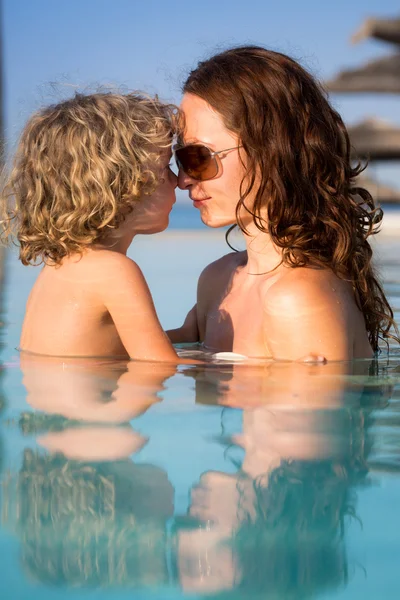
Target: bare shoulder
x,y
222,267
107,258
105,266
310,311
110,275
215,279
305,288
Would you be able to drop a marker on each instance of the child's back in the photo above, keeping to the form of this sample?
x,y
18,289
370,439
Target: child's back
x,y
66,315
89,175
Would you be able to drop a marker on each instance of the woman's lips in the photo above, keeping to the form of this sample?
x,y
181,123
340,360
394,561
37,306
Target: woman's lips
x,y
199,201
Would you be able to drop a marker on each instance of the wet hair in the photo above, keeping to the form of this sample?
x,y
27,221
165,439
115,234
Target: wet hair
x,y
292,520
79,168
88,524
294,545
299,170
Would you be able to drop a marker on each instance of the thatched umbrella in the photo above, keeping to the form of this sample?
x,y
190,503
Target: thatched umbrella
x,y
387,30
2,249
375,139
382,75
382,194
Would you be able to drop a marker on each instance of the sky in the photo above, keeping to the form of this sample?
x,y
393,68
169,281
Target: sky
x,y
52,47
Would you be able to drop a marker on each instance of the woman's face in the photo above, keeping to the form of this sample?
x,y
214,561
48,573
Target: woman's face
x,y
216,198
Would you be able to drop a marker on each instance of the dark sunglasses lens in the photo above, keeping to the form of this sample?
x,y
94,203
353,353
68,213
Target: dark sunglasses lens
x,y
197,162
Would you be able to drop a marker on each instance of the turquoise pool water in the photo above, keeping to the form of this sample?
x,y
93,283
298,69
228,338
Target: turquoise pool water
x,y
126,480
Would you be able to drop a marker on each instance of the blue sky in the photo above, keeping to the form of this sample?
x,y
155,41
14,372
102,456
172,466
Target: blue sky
x,y
52,46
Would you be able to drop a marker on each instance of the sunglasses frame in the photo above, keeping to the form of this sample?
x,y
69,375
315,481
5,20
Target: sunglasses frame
x,y
214,155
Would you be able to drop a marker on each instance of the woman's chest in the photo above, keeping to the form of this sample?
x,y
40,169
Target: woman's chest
x,y
234,323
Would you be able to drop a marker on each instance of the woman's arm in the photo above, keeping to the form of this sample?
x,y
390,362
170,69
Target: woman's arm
x,y
212,279
188,332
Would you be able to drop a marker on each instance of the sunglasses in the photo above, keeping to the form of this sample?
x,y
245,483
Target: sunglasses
x,y
198,161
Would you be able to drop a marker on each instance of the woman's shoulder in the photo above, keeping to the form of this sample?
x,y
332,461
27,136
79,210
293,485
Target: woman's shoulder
x,y
310,311
223,266
306,287
215,278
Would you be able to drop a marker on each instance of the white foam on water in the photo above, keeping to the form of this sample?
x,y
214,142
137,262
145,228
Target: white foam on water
x,y
229,356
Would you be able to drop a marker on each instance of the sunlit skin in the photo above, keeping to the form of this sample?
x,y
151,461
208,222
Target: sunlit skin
x,y
98,303
248,302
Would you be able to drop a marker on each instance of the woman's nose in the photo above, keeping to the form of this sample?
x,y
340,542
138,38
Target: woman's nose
x,y
184,181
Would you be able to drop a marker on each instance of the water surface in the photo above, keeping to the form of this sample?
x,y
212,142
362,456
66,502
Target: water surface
x,y
126,479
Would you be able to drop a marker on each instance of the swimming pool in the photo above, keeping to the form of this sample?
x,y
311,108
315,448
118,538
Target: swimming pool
x,y
225,481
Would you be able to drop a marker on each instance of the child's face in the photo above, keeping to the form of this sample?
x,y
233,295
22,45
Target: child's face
x,y
151,213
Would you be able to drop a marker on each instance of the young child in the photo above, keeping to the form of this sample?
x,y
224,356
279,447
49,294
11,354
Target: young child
x,y
89,174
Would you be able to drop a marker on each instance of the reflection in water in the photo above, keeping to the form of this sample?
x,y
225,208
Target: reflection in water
x,y
272,524
278,523
277,526
85,513
111,391
90,524
293,384
83,404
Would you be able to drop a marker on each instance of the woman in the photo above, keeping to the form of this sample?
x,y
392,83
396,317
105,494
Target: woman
x,y
263,149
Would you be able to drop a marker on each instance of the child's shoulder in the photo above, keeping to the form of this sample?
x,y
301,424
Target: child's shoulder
x,y
106,266
107,259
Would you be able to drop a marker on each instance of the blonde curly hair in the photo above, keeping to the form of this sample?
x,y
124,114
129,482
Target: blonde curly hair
x,y
79,168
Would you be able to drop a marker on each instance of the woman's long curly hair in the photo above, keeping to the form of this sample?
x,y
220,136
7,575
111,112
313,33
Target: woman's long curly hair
x,y
79,168
299,169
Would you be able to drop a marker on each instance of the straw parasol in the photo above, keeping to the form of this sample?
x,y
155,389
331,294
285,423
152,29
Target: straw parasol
x,y
382,194
386,30
381,75
375,139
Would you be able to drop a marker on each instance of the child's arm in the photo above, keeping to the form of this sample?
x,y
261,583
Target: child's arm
x,y
127,297
188,332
